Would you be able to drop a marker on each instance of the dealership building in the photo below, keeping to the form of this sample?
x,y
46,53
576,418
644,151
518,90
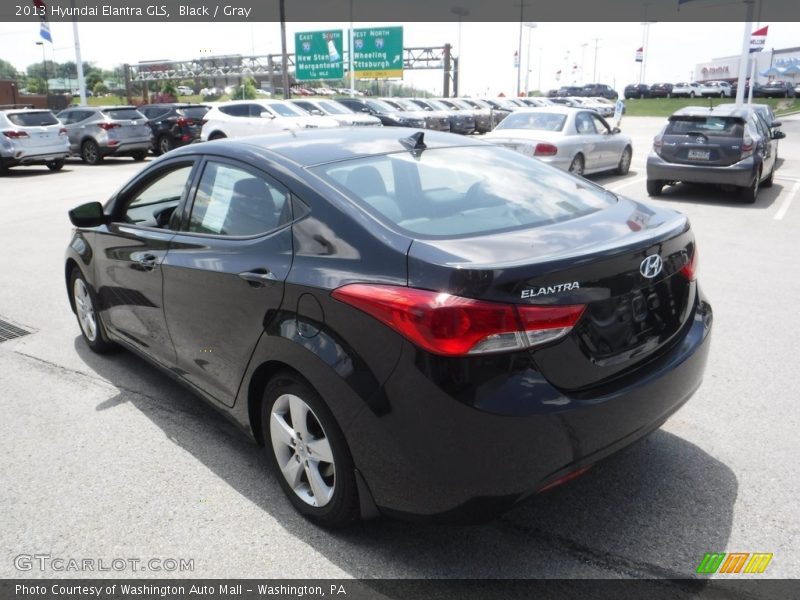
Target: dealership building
x,y
770,64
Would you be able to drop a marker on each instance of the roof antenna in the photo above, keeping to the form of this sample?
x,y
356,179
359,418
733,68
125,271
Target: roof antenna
x,y
415,143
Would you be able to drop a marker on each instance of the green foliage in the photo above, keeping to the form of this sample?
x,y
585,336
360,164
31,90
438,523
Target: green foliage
x,y
247,91
7,70
100,88
169,88
92,78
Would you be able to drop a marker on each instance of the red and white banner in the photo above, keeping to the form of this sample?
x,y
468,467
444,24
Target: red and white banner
x,y
640,54
758,39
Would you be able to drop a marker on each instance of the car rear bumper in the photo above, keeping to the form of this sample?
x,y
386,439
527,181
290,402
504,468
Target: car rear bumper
x,y
444,450
739,174
33,156
127,147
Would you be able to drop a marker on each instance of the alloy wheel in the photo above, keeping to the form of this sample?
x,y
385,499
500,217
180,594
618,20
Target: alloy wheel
x,y
85,309
302,450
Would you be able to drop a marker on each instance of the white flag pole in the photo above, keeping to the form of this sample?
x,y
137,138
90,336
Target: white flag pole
x,y
748,29
78,61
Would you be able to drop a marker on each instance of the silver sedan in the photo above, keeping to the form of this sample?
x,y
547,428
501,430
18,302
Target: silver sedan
x,y
576,140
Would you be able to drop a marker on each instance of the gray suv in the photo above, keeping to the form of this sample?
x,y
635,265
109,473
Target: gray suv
x,y
98,131
722,145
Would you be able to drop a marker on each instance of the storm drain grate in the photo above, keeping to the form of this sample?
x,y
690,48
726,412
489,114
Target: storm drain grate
x,y
9,331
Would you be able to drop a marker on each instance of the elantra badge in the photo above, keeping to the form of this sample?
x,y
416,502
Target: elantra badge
x,y
651,266
550,289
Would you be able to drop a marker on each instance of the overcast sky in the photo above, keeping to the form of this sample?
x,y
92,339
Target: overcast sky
x,y
487,56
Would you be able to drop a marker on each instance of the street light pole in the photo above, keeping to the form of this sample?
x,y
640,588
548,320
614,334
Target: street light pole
x,y
44,67
519,45
460,12
531,27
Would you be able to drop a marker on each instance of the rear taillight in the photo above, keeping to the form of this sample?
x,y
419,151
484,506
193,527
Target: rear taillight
x,y
689,270
455,326
108,126
183,122
15,135
543,149
747,146
657,143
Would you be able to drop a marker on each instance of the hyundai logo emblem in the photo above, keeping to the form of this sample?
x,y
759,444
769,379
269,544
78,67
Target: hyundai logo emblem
x,y
651,266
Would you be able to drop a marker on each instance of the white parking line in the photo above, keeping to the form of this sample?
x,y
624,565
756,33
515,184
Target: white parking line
x,y
787,202
616,188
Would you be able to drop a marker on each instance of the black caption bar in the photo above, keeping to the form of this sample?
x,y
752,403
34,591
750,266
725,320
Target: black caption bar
x,y
400,10
405,589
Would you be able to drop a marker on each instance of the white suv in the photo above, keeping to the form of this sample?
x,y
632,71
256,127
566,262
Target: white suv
x,y
32,137
690,90
721,89
239,118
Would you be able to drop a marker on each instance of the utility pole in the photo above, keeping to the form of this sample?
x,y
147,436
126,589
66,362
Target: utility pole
x,y
284,56
594,69
531,27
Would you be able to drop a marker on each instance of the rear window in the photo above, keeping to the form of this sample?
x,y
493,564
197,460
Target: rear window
x,y
286,110
464,191
710,126
540,121
33,118
193,112
123,113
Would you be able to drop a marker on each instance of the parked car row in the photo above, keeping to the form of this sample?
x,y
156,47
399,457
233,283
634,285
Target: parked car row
x,y
708,89
589,90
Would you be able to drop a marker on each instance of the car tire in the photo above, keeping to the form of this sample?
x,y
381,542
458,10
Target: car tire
x,y
163,145
749,194
139,155
324,491
217,135
654,187
56,165
90,152
85,302
625,161
577,165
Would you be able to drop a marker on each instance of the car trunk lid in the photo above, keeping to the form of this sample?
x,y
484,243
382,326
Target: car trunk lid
x,y
706,139
600,261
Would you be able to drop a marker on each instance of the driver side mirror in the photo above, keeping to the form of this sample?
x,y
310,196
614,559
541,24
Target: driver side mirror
x,y
775,124
616,130
265,114
778,135
88,215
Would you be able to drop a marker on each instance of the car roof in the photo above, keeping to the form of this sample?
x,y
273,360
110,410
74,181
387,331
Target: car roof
x,y
721,110
308,147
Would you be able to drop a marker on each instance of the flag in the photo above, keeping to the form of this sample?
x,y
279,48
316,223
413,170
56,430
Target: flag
x,y
758,39
44,28
516,59
640,54
558,75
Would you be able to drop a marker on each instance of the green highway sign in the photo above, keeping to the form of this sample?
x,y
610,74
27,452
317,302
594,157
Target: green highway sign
x,y
318,55
378,52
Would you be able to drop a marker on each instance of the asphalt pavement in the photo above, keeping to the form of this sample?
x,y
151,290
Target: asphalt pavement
x,y
105,458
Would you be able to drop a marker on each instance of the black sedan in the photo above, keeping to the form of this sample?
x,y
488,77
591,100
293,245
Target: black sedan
x,y
411,323
777,89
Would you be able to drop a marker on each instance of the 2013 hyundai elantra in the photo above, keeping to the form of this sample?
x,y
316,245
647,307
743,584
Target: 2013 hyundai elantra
x,y
412,323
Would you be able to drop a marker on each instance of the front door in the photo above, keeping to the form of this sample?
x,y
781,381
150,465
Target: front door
x,y
224,274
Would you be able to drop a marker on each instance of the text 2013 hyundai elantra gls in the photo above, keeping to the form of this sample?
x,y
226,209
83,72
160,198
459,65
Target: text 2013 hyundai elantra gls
x,y
411,323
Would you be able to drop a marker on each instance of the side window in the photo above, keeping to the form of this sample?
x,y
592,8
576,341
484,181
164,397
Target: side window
x,y
233,201
236,110
66,117
599,125
370,178
584,124
154,204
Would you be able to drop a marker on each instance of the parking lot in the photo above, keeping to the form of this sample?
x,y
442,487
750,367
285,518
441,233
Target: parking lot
x,y
104,457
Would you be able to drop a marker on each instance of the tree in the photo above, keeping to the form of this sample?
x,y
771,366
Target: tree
x,y
92,78
7,70
169,88
100,88
247,91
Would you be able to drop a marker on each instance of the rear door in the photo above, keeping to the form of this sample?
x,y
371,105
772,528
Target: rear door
x,y
591,140
225,271
129,125
703,139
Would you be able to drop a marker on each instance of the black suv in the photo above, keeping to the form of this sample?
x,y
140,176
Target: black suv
x,y
636,90
661,90
599,89
174,124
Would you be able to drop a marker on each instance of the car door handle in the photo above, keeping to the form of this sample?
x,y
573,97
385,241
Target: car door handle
x,y
259,277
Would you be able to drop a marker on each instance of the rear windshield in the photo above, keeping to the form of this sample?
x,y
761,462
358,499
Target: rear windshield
x,y
123,113
540,121
709,126
193,112
33,118
446,192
